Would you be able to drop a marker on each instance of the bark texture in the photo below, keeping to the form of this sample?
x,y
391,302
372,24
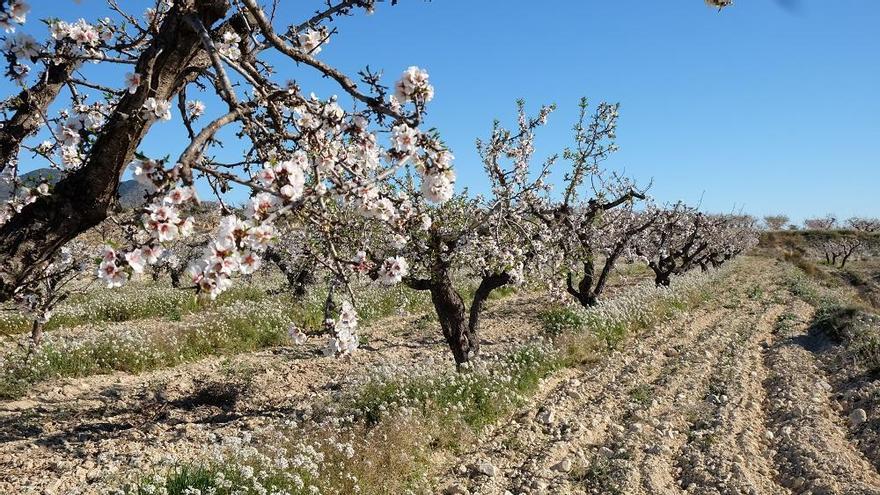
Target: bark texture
x,y
83,199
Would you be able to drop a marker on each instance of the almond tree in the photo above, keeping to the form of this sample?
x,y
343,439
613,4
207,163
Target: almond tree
x,y
776,222
55,282
673,244
864,224
301,153
594,221
491,238
827,222
727,236
839,248
612,237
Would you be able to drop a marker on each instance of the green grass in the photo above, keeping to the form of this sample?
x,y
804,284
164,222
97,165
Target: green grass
x,y
842,316
600,474
479,398
219,479
243,319
784,322
642,395
130,303
558,319
229,330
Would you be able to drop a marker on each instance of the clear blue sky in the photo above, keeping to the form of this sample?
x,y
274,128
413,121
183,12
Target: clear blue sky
x,y
761,106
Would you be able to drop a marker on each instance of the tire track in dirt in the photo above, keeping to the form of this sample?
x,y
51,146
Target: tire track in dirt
x,y
813,452
579,409
661,433
725,401
654,419
728,450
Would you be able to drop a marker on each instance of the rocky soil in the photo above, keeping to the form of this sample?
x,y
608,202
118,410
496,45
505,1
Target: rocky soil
x,y
741,396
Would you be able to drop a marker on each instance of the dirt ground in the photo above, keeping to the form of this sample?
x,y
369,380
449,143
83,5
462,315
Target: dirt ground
x,y
732,399
742,396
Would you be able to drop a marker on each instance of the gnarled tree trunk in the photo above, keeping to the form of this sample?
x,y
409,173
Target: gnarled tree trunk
x,y
452,314
31,106
663,270
460,325
83,199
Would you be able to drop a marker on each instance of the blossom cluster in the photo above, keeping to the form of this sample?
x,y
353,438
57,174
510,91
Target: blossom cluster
x,y
413,86
229,46
72,130
234,249
22,195
116,267
85,36
344,339
311,40
14,13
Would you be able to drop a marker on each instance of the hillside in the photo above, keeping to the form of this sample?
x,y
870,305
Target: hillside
x,y
131,193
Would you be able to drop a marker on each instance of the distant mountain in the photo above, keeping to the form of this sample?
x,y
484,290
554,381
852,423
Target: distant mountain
x,y
31,179
131,193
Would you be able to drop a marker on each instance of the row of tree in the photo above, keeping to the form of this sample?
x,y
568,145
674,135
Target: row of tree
x,y
351,186
828,222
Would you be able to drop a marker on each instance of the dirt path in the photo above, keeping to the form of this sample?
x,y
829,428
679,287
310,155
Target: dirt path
x,y
728,400
732,398
66,434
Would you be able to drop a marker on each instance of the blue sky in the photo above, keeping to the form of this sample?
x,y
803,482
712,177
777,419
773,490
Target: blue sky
x,y
759,107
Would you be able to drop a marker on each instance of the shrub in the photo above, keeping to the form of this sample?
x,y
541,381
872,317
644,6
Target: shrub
x,y
560,319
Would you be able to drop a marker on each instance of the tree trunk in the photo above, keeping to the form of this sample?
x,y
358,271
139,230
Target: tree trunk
x,y
661,279
82,200
583,293
37,332
460,337
487,285
662,272
461,328
301,281
31,106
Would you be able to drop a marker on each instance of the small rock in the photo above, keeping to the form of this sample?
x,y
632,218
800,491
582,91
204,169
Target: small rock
x,y
456,489
562,466
857,417
547,416
485,468
18,405
654,450
671,352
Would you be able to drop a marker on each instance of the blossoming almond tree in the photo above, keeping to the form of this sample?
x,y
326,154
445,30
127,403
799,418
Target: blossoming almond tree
x,y
726,237
303,154
776,222
682,238
827,222
673,243
864,224
56,280
490,239
595,217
